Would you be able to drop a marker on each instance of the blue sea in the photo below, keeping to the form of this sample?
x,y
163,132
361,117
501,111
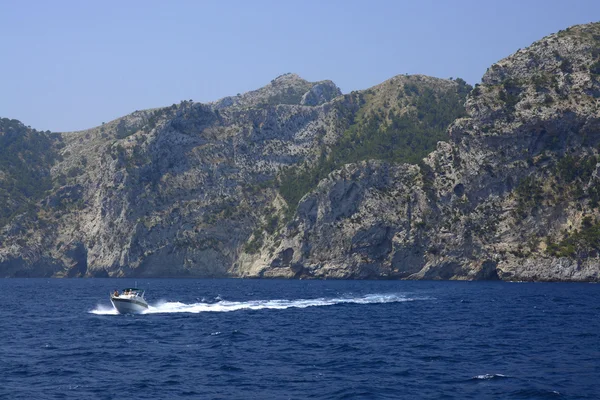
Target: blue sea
x,y
277,339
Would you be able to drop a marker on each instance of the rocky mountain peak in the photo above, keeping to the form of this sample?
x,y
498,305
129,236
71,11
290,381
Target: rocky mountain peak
x,y
289,78
285,89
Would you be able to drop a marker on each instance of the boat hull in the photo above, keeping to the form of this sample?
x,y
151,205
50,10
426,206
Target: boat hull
x,y
128,306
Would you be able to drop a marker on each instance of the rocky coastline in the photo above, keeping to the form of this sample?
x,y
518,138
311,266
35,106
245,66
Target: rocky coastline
x,y
199,190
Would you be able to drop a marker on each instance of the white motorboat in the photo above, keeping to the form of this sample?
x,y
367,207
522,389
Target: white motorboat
x,y
129,301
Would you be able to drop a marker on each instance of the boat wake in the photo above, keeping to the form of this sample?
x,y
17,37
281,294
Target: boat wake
x,y
227,306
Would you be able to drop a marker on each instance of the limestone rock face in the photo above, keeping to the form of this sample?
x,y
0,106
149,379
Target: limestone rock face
x,y
195,190
357,224
174,191
512,195
185,190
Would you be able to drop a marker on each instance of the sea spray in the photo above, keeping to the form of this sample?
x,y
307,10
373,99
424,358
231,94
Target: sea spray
x,y
102,309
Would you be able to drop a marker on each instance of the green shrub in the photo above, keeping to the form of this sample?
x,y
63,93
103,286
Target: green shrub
x,y
272,223
566,66
595,68
253,246
571,168
529,195
583,243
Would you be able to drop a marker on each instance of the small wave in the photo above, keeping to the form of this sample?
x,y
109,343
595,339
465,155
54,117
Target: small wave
x,y
537,393
489,376
228,306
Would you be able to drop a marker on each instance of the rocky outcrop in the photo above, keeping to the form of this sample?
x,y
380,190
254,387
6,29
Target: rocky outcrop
x,y
320,93
285,89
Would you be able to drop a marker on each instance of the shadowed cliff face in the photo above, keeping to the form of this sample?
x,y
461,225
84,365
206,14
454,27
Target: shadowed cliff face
x,y
512,195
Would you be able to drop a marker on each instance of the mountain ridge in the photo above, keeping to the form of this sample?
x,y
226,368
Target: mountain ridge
x,y
160,186
207,190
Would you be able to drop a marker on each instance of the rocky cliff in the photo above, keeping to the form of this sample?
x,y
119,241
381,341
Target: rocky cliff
x,y
176,191
297,180
512,195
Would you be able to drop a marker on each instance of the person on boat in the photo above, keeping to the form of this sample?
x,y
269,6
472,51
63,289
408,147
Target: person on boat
x,y
116,294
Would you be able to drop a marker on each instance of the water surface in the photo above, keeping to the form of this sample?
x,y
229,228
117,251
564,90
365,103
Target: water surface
x,y
273,339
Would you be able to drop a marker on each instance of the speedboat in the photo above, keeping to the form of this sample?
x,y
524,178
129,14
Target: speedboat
x,y
129,301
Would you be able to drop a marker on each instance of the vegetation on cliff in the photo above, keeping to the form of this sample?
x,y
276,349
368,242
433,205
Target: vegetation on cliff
x,y
400,122
26,156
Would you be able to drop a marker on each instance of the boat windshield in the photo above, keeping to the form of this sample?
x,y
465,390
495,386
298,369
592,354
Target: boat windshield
x,y
133,291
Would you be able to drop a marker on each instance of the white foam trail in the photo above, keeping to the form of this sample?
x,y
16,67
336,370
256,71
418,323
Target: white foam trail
x,y
104,310
227,306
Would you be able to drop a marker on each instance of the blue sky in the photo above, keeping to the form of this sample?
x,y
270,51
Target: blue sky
x,y
70,65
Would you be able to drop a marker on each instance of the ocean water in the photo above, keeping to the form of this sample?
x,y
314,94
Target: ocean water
x,y
275,339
